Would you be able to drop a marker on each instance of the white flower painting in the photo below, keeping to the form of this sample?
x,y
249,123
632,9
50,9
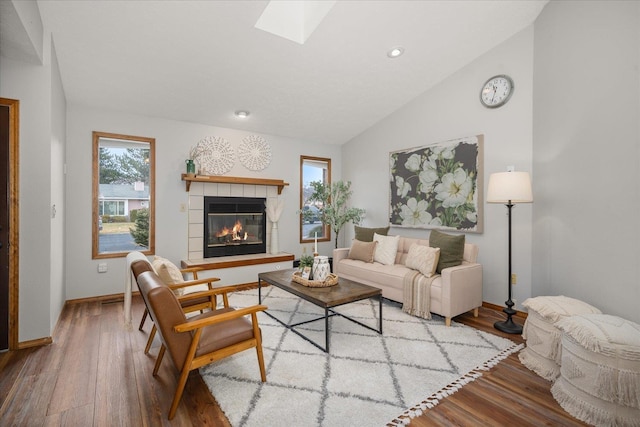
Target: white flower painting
x,y
438,186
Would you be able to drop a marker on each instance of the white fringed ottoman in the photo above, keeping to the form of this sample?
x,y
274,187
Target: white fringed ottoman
x,y
599,379
542,353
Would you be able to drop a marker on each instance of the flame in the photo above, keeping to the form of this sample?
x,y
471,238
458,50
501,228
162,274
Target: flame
x,y
235,232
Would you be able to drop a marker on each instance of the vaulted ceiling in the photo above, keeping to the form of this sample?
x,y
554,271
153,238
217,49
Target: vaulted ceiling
x,y
199,61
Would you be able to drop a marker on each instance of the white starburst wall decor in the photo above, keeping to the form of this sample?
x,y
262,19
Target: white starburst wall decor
x,y
254,153
213,156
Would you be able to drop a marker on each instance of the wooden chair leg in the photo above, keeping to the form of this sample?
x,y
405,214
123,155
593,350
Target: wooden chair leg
x,y
258,336
475,312
447,321
179,389
150,340
159,360
144,317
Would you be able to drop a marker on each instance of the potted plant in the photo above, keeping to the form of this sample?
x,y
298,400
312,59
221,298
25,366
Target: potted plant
x,y
305,261
332,202
305,265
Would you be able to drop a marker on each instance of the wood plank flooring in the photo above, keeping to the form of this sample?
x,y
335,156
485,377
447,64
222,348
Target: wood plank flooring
x,y
96,374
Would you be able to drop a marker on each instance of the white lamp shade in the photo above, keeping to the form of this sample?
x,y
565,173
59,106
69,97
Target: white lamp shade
x,y
505,187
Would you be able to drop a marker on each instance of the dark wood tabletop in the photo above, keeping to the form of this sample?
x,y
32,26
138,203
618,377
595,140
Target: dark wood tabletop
x,y
344,292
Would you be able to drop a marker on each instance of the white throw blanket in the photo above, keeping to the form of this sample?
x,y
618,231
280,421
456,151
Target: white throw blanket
x,y
417,294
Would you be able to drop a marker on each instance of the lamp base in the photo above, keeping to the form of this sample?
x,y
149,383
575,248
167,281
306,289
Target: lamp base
x,y
508,326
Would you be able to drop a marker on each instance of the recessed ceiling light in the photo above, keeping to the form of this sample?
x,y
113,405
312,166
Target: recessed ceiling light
x,y
241,114
395,52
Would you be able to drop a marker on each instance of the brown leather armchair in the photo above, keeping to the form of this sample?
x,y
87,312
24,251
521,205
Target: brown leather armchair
x,y
191,304
201,339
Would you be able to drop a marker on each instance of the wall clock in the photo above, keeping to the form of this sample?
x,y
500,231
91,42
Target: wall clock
x,y
496,91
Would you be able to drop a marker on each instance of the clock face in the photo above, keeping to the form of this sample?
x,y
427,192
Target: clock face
x,y
496,91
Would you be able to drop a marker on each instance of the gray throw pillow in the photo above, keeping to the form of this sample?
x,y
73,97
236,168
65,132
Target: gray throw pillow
x,y
366,234
451,249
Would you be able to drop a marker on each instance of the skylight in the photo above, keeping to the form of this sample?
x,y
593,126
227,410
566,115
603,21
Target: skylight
x,y
293,20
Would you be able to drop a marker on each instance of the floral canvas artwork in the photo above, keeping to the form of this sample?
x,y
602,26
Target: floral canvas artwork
x,y
438,186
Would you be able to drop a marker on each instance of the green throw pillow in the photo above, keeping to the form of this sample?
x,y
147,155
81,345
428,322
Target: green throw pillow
x,y
451,249
366,234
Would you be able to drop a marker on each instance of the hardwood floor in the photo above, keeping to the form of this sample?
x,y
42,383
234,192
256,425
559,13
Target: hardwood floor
x,y
95,373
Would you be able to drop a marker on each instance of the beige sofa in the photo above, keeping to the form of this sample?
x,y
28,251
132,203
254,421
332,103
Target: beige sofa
x,y
456,291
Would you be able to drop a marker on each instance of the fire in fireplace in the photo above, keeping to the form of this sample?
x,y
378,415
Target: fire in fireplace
x,y
234,226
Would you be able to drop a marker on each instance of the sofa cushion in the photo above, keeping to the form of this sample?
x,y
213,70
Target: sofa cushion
x,y
389,278
362,251
168,272
366,234
423,258
451,249
386,249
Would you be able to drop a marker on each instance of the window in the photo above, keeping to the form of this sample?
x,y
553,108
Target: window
x,y
313,169
111,207
123,195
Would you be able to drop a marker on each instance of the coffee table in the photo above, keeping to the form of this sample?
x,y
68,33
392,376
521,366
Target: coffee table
x,y
345,292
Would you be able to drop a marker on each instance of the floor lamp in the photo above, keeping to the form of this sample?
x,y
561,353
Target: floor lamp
x,y
509,188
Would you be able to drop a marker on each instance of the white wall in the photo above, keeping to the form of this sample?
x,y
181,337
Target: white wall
x,y
173,141
31,84
57,209
451,110
586,154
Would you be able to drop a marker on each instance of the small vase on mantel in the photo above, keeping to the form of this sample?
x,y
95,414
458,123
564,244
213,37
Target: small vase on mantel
x,y
191,167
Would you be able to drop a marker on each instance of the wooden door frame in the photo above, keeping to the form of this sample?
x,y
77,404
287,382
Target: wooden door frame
x,y
14,217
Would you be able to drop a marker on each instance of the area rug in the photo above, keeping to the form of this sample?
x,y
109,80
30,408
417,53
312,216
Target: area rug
x,y
367,379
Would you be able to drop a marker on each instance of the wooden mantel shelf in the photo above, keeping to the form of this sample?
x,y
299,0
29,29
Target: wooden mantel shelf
x,y
233,180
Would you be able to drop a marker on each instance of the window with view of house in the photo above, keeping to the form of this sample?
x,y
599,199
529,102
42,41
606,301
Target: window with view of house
x,y
123,195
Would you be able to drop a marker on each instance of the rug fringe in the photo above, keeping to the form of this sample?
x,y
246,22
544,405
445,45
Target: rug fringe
x,y
431,401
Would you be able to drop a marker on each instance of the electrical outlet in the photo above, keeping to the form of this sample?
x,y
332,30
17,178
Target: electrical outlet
x,y
102,267
514,278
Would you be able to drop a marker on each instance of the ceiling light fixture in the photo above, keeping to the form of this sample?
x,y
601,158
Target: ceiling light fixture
x,y
395,52
241,114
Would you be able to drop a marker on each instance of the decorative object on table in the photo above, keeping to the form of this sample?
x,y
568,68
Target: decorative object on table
x,y
306,273
438,186
321,268
312,282
305,261
496,91
274,207
332,200
254,153
191,167
410,375
509,188
214,156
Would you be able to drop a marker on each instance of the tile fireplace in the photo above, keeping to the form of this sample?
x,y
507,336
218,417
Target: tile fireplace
x,y
234,226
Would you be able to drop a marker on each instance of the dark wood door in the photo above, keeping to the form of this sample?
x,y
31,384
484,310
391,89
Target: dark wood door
x,y
4,227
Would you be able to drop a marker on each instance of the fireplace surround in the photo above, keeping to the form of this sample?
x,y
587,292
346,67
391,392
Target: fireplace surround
x,y
234,226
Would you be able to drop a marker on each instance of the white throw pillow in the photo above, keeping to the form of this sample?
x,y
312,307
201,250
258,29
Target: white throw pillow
x,y
423,258
168,272
386,249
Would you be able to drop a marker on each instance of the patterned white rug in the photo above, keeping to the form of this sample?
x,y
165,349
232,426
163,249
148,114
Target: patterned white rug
x,y
368,379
